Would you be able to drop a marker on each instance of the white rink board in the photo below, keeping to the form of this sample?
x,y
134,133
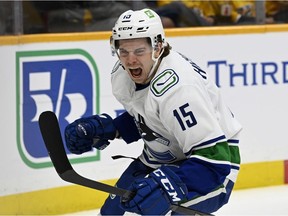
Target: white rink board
x,y
260,107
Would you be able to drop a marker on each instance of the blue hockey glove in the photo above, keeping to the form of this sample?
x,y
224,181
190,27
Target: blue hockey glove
x,y
156,193
85,133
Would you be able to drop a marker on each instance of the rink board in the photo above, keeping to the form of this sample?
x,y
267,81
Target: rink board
x,y
35,187
73,198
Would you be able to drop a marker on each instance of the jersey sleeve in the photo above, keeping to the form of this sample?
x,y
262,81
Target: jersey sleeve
x,y
127,128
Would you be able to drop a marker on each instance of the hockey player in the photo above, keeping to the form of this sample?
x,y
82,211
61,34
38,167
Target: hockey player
x,y
191,155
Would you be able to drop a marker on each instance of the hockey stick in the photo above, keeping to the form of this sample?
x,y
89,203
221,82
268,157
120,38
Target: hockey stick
x,y
51,134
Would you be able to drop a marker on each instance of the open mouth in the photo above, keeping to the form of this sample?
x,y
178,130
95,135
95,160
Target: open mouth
x,y
136,72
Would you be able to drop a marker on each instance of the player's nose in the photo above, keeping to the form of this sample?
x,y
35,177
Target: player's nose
x,y
131,58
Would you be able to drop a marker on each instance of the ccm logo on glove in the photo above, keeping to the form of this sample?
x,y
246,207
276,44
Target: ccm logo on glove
x,y
167,185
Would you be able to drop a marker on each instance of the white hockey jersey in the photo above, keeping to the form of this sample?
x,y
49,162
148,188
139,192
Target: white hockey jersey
x,y
180,111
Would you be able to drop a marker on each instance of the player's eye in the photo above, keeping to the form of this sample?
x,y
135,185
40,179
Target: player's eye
x,y
123,53
137,52
140,52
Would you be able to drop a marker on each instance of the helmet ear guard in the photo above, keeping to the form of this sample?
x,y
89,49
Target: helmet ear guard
x,y
112,45
143,23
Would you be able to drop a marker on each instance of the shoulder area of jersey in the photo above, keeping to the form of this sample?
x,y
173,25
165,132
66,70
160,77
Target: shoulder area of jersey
x,y
117,66
176,70
163,82
167,76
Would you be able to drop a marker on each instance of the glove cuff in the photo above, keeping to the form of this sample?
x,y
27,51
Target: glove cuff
x,y
171,184
127,128
103,127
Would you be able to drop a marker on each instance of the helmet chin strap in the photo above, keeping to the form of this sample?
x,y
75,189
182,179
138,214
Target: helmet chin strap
x,y
155,65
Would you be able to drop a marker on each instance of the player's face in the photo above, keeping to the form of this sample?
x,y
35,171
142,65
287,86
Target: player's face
x,y
136,57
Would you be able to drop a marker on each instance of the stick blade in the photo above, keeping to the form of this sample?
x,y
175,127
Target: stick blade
x,y
51,135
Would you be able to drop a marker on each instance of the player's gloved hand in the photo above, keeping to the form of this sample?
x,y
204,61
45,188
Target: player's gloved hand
x,y
156,193
85,133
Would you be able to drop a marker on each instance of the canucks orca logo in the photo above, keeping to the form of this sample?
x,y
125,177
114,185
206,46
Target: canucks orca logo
x,y
63,81
163,82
